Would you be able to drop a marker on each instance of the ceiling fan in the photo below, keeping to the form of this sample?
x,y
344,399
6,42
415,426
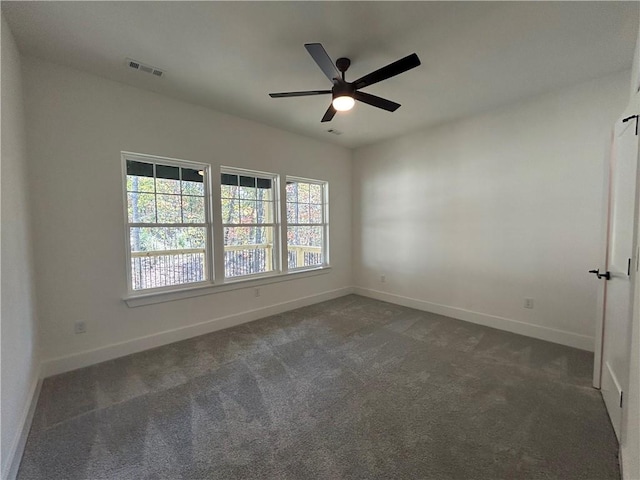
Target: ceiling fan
x,y
346,93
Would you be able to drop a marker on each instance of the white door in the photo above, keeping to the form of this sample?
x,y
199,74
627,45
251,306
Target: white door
x,y
619,268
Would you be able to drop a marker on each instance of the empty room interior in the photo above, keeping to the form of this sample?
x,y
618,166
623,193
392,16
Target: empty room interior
x,y
320,240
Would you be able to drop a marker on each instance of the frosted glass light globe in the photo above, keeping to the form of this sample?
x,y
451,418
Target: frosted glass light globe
x,y
344,103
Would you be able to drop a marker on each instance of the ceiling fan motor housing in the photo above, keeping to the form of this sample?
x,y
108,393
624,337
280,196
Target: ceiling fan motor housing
x,y
343,89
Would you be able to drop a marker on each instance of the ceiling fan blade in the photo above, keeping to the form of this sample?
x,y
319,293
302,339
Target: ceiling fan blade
x,y
391,70
329,114
379,102
319,54
299,94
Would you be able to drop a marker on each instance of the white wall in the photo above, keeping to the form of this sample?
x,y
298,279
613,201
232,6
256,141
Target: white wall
x,y
635,72
469,218
78,125
19,330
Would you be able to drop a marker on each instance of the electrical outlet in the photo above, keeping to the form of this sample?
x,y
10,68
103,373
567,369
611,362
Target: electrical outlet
x,y
528,303
256,292
80,327
383,278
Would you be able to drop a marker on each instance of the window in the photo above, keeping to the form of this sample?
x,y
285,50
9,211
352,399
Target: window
x,y
249,222
168,223
170,227
306,223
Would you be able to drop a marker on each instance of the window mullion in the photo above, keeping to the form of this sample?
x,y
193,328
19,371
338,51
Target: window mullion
x,y
284,226
217,229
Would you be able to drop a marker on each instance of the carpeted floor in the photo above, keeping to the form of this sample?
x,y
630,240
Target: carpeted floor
x,y
352,388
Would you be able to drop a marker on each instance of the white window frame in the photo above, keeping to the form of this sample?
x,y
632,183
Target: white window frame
x,y
214,262
325,225
208,266
276,225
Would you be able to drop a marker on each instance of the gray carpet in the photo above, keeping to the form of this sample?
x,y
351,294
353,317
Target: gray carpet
x,y
352,388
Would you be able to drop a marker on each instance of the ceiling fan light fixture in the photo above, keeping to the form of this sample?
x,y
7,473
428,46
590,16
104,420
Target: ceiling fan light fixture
x,y
343,103
344,94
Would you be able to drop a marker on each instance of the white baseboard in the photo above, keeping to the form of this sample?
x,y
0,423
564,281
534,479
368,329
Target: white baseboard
x,y
20,440
583,342
58,365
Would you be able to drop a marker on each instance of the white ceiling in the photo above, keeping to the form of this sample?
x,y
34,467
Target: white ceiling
x,y
230,55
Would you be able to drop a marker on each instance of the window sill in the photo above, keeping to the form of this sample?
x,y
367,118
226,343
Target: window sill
x,y
142,299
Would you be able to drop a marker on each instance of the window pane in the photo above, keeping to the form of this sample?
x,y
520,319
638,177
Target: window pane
x,y
247,192
303,213
169,209
248,211
230,211
162,256
193,188
193,210
247,250
149,239
305,246
292,191
264,193
228,179
303,192
141,169
229,191
140,184
141,207
248,236
264,183
264,212
315,214
247,181
165,185
167,171
166,270
315,193
306,236
292,213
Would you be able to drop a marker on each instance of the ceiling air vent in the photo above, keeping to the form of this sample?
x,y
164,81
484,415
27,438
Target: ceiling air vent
x,y
144,68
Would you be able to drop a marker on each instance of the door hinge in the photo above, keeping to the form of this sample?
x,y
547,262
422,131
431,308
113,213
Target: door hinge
x,y
621,395
630,118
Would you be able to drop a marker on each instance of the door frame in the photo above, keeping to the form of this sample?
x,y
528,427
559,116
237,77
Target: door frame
x,y
618,130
